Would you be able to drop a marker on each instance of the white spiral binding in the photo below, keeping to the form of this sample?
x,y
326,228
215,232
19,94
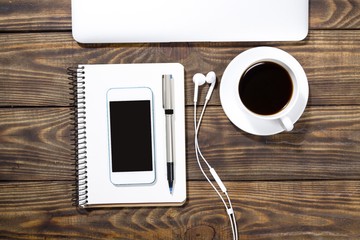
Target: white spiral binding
x,y
77,77
81,138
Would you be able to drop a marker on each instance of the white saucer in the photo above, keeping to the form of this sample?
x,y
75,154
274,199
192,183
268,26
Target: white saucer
x,y
230,99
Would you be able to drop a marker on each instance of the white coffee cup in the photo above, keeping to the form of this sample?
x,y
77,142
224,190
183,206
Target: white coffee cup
x,y
246,118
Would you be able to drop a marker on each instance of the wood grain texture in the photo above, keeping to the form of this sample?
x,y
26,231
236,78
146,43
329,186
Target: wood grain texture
x,y
37,63
35,144
294,186
47,15
336,14
35,15
325,144
264,210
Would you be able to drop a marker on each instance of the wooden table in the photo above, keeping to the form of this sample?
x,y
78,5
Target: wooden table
x,y
299,185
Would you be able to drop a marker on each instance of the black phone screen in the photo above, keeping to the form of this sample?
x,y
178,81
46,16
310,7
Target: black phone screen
x,y
131,140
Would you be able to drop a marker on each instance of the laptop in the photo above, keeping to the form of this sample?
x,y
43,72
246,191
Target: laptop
x,y
125,21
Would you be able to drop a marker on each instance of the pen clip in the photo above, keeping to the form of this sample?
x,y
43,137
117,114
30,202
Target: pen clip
x,y
163,90
167,91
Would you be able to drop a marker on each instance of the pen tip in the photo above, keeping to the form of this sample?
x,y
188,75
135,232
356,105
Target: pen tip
x,y
171,190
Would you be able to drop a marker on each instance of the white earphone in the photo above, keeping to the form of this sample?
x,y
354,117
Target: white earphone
x,y
199,79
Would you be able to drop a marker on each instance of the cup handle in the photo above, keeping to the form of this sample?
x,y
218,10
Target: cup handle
x,y
287,124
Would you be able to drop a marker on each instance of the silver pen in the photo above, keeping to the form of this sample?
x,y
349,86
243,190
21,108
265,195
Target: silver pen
x,y
167,88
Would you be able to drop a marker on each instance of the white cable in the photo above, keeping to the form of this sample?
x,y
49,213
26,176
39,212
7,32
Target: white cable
x,y
232,216
198,160
197,127
229,210
198,152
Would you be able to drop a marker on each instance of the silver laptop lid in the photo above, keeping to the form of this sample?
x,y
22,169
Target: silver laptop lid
x,y
117,21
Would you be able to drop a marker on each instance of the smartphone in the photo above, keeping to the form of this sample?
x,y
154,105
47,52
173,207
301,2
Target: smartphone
x,y
131,135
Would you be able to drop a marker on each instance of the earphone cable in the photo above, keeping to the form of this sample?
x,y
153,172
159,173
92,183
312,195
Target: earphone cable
x,y
232,216
198,152
198,160
197,127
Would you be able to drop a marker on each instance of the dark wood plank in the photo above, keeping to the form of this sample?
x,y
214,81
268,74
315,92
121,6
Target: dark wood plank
x,y
324,138
33,66
264,210
35,15
336,14
33,69
45,15
325,144
35,144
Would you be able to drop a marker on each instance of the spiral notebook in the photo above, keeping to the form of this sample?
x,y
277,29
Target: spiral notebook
x,y
91,84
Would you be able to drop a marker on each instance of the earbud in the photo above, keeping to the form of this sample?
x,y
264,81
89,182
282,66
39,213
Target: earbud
x,y
199,79
210,78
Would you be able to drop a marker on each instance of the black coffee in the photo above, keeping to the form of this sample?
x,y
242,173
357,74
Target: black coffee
x,y
265,88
